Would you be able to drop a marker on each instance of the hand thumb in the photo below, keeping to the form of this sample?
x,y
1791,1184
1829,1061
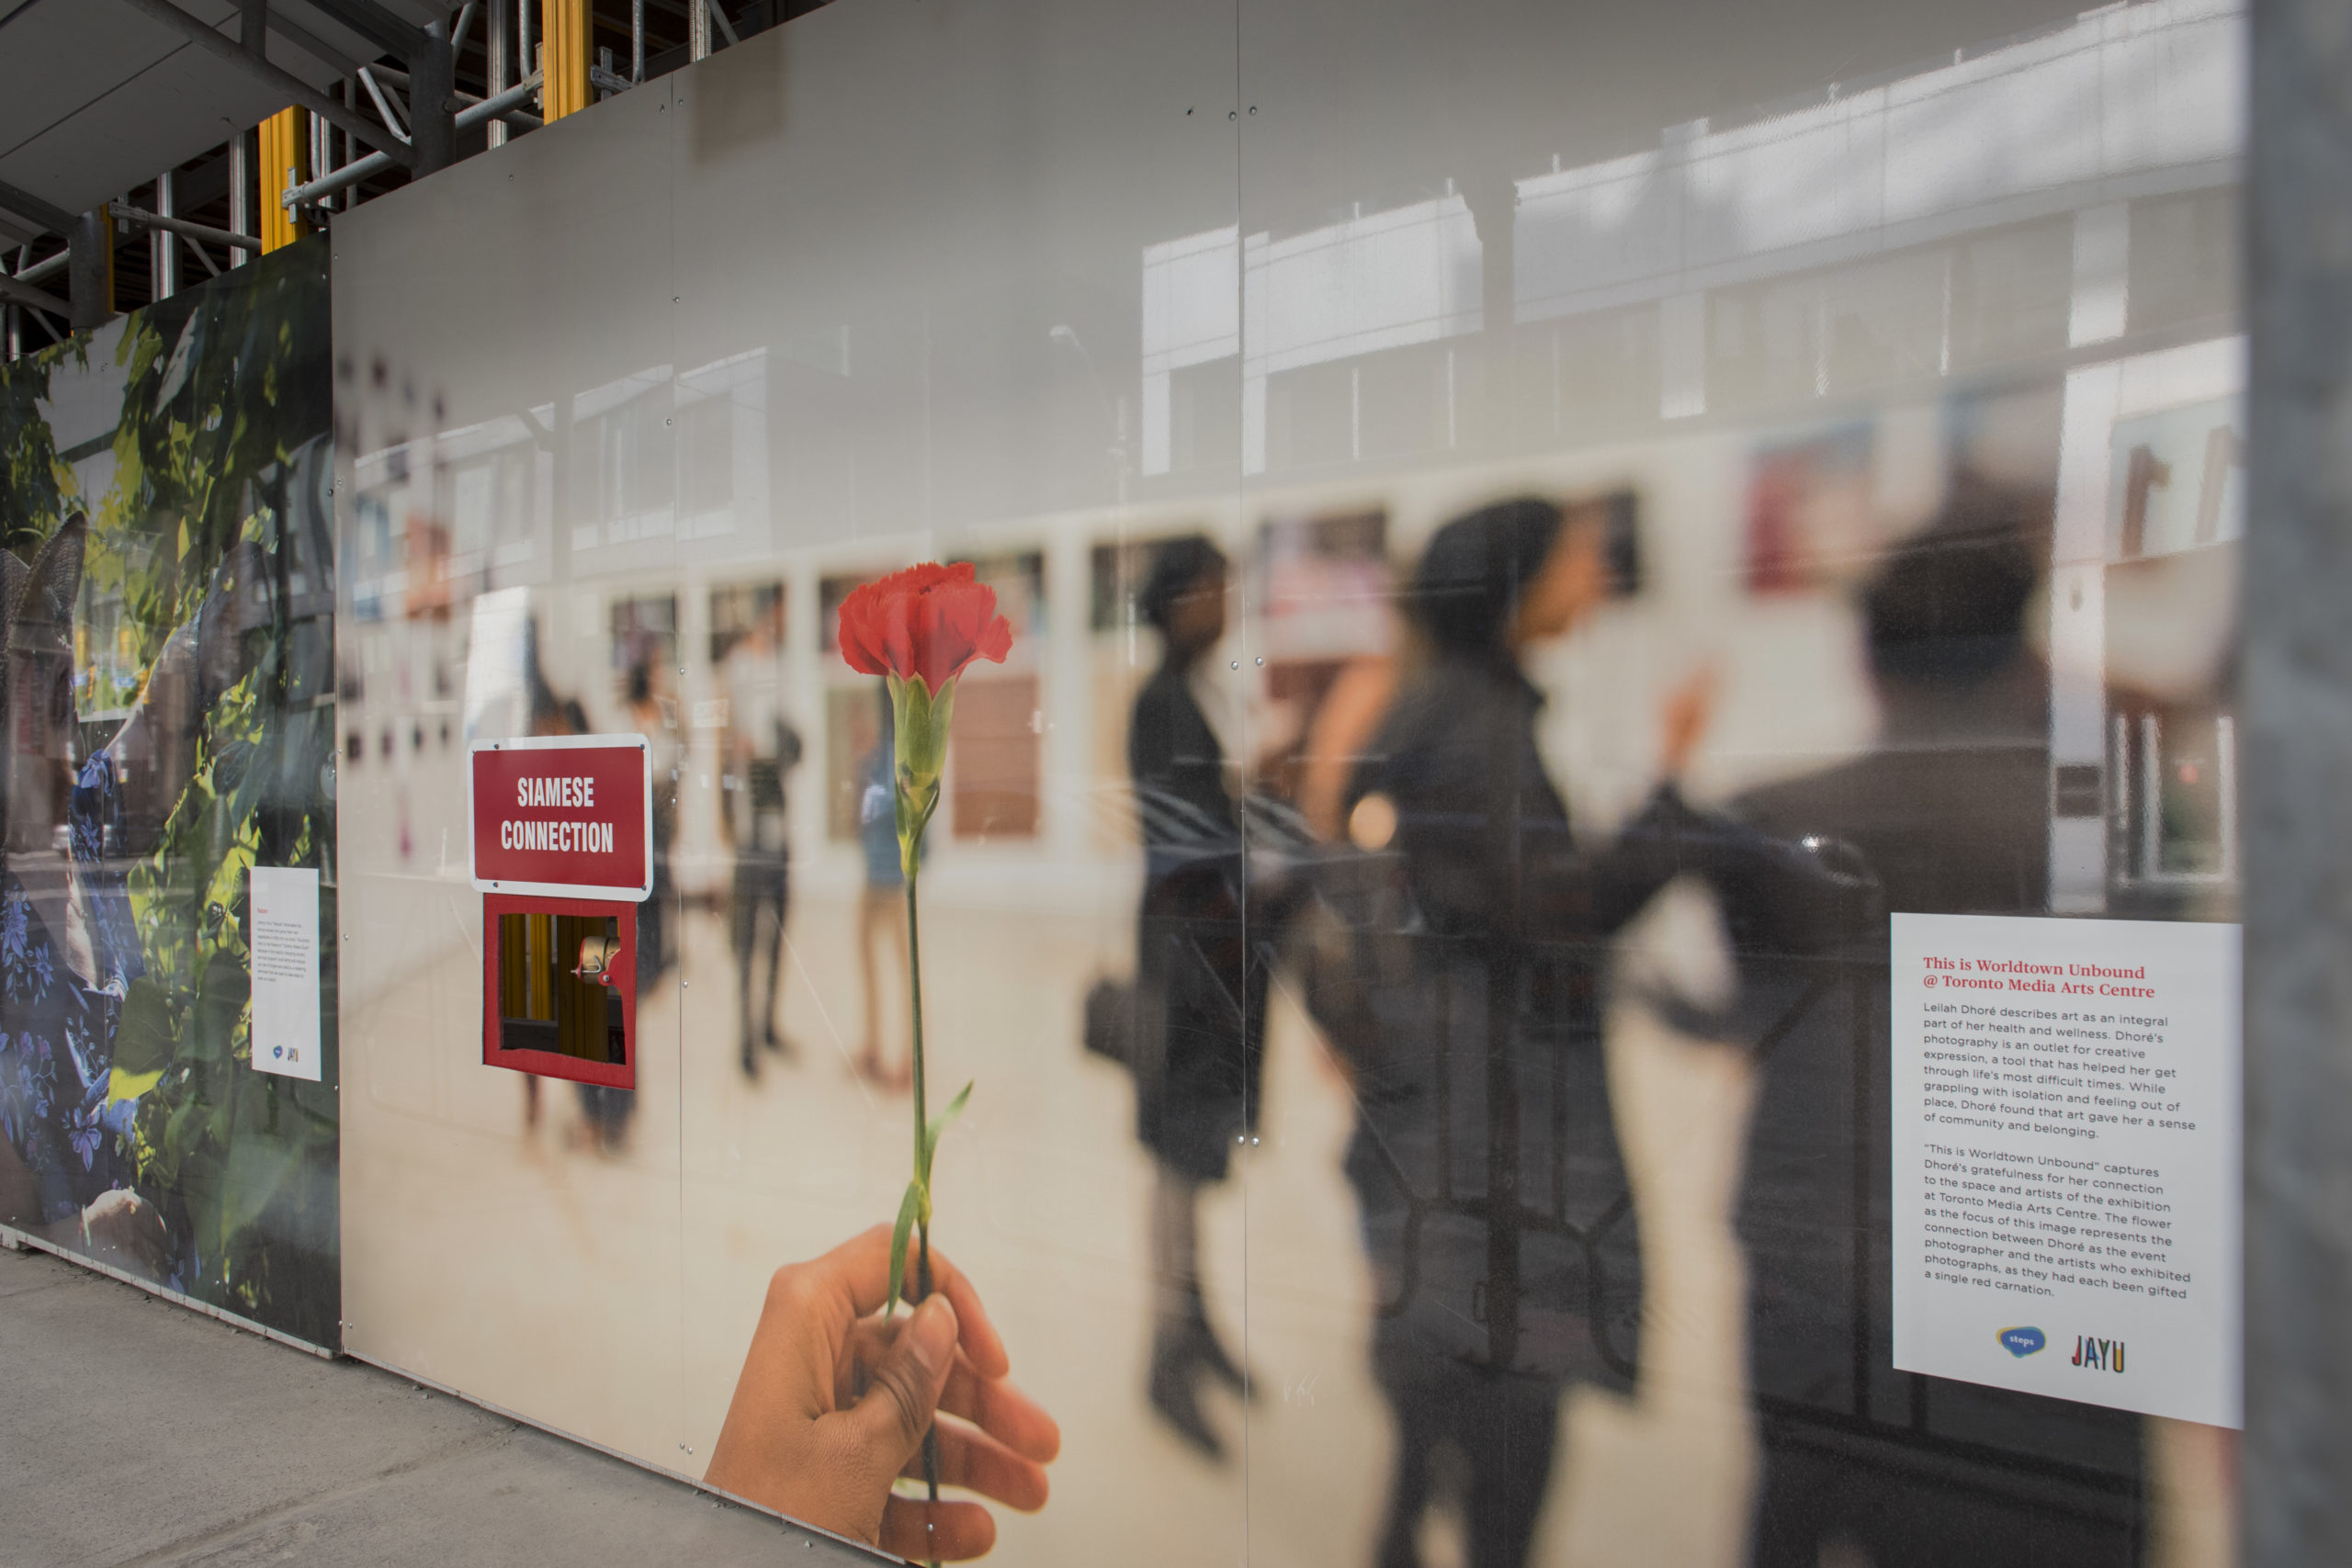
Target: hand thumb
x,y
897,1408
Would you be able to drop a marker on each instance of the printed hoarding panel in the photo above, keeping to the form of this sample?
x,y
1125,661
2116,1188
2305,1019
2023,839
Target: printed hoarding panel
x,y
168,1063
1518,545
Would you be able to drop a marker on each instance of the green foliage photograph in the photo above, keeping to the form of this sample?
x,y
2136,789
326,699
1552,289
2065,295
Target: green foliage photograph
x,y
166,572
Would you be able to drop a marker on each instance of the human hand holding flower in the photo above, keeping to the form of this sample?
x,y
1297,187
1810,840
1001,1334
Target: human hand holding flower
x,y
834,1402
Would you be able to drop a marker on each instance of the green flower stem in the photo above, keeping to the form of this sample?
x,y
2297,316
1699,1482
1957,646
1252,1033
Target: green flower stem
x,y
914,987
914,816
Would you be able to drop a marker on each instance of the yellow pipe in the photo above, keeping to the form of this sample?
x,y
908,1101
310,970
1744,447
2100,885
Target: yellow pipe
x,y
285,153
563,56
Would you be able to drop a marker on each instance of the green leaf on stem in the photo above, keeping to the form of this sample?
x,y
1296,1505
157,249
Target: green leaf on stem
x,y
909,1207
938,1125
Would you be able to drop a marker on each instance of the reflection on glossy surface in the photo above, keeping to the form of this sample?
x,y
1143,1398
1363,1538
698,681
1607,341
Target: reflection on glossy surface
x,y
1518,1130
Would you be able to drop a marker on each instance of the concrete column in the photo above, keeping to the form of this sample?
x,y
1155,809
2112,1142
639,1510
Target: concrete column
x,y
2297,701
432,109
89,270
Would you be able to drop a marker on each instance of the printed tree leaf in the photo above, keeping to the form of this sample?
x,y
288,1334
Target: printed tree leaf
x,y
143,1039
129,1086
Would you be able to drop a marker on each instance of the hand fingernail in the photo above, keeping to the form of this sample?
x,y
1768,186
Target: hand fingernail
x,y
933,1333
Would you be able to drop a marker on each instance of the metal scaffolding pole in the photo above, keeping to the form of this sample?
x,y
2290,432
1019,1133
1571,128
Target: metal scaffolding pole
x,y
241,183
163,245
637,41
321,148
40,299
506,104
497,25
697,30
165,224
43,269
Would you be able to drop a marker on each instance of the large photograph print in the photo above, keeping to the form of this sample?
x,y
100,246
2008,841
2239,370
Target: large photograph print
x,y
1292,672
167,689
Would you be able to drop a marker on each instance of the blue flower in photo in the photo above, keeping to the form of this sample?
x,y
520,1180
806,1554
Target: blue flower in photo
x,y
84,1132
13,928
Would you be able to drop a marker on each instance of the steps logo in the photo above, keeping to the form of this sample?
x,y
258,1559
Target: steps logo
x,y
2098,1354
2021,1342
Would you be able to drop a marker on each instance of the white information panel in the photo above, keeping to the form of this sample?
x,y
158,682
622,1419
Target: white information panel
x,y
282,934
2066,1158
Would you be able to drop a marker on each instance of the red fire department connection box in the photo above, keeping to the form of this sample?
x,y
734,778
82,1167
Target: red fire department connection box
x,y
562,856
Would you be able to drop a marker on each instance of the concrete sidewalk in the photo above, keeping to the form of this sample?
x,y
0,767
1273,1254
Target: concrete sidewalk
x,y
133,1431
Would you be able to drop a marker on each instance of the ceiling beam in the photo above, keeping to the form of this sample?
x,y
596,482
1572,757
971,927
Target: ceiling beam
x,y
310,43
294,88
390,33
25,203
38,299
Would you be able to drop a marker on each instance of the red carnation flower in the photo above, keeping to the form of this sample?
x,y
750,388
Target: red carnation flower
x,y
923,624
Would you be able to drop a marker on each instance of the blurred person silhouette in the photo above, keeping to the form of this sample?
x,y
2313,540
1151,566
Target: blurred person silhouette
x,y
1948,812
1493,1198
606,1112
881,907
762,750
652,714
1197,1043
548,715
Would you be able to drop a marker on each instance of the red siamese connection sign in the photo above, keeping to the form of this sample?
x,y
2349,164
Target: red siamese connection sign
x,y
563,815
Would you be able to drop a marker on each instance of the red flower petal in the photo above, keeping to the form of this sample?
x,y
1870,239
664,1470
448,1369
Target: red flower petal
x,y
926,623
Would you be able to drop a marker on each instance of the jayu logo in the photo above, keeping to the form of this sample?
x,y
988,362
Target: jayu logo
x,y
2022,1342
2098,1354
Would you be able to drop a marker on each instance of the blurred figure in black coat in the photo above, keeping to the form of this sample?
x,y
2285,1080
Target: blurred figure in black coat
x,y
1948,814
1493,1199
1199,1022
